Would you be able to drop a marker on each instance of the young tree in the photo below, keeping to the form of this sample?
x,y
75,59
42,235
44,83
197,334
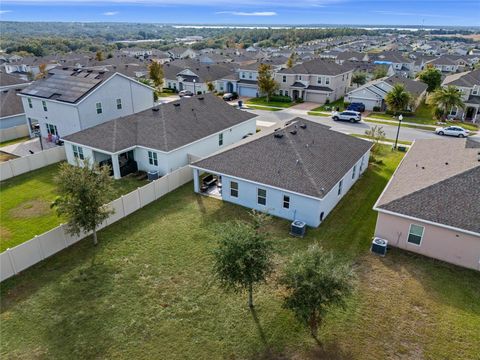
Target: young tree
x,y
266,83
359,78
243,256
210,86
99,56
432,77
446,98
376,135
291,60
315,282
42,68
155,72
84,190
398,98
380,71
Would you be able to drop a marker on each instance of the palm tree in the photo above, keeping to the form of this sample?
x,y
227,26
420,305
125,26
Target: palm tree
x,y
446,98
398,98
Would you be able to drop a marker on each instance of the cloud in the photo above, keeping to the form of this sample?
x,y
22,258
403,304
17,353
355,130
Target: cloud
x,y
110,13
242,13
5,11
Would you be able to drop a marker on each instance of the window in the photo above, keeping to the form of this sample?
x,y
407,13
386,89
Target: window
x,y
286,92
243,75
327,81
99,107
119,104
319,80
234,189
220,139
78,152
250,75
354,171
340,185
321,216
44,104
286,202
361,165
299,77
262,196
284,78
281,92
343,77
415,234
30,105
152,158
51,129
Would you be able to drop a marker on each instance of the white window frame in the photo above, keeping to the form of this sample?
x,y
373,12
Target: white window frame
x,y
51,127
97,108
327,81
44,104
354,171
340,187
30,104
220,139
410,233
264,197
78,152
286,201
319,80
119,104
234,190
284,78
152,158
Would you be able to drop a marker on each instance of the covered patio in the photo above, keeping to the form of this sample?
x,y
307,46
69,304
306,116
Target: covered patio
x,y
207,184
121,164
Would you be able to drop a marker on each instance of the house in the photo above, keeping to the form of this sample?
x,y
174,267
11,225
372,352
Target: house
x,y
298,172
468,83
431,205
11,108
343,56
316,81
163,138
401,65
373,94
181,53
70,100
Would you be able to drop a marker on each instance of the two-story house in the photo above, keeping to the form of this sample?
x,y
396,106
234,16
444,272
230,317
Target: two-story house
x,y
401,64
468,83
70,100
316,81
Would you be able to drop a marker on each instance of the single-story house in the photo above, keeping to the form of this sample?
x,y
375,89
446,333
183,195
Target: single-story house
x,y
298,172
431,205
163,138
373,94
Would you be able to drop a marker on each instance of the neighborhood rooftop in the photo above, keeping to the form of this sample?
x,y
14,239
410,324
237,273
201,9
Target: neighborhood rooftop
x,y
165,127
303,157
435,181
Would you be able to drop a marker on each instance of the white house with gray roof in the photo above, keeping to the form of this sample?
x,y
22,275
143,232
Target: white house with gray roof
x,y
163,138
298,172
71,100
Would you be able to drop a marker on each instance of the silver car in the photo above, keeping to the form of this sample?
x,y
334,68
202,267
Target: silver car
x,y
452,131
349,115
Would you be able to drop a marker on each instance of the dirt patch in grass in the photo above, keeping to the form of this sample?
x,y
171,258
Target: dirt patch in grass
x,y
30,209
5,234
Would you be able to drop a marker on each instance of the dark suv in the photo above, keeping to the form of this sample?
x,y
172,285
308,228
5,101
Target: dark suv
x,y
359,107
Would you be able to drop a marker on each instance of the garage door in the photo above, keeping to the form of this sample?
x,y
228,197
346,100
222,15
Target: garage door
x,y
318,98
369,104
247,91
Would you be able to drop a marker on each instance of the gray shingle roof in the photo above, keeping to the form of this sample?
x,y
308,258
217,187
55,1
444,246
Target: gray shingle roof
x,y
313,159
316,67
175,124
412,86
10,80
10,103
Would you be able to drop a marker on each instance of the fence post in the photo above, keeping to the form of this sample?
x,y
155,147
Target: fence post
x,y
10,256
40,247
123,206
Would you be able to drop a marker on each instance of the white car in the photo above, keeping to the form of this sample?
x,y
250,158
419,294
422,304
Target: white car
x,y
452,131
349,115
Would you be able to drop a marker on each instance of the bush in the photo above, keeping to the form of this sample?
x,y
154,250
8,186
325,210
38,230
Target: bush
x,y
281,98
168,90
404,113
377,108
299,101
327,101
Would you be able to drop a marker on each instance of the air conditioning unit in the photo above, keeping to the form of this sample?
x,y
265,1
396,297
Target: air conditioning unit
x,y
298,228
379,246
153,175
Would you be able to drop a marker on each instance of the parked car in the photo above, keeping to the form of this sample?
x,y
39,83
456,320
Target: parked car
x,y
352,116
354,106
452,131
185,93
230,96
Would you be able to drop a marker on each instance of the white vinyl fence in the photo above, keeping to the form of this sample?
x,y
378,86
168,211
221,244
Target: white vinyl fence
x,y
14,132
28,163
22,256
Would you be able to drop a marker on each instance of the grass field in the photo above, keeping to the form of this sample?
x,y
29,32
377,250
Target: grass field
x,y
147,292
266,108
25,204
261,101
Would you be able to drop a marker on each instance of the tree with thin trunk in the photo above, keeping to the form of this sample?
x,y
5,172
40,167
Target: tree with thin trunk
x,y
315,282
99,56
291,60
432,77
84,190
155,72
376,135
42,71
266,83
446,98
243,256
359,78
210,86
398,98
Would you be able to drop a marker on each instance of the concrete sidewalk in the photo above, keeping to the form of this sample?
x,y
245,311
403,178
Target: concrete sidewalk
x,y
27,147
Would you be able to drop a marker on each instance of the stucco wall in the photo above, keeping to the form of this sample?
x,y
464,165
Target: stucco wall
x,y
440,243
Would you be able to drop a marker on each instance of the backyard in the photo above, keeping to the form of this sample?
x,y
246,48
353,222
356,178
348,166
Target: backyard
x,y
147,291
25,204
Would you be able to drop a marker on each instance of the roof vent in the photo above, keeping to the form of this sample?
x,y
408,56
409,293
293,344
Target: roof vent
x,y
303,126
293,132
155,108
278,136
276,129
176,104
446,163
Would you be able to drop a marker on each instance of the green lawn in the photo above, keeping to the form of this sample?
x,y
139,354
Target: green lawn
x,y
14,141
421,127
256,107
25,204
262,101
333,105
147,292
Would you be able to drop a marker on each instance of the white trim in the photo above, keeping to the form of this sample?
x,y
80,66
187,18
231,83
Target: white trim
x,y
410,232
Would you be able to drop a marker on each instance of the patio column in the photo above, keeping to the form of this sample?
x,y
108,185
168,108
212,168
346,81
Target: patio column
x,y
116,167
196,180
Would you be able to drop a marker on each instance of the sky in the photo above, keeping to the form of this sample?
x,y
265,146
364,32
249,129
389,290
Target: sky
x,y
294,12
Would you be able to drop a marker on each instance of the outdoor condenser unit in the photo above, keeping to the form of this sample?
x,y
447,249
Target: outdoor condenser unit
x,y
298,228
379,246
152,175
